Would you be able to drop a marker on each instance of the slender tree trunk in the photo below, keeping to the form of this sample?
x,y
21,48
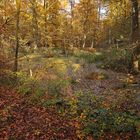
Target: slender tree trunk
x,y
35,24
109,37
99,9
94,39
72,3
45,21
17,38
135,36
84,43
135,20
92,43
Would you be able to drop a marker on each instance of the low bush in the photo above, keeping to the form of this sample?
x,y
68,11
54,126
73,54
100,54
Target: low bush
x,y
48,93
98,119
90,57
7,77
118,60
57,88
28,86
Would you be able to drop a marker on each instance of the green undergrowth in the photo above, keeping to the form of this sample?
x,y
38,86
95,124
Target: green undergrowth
x,y
50,85
98,117
90,57
41,91
118,60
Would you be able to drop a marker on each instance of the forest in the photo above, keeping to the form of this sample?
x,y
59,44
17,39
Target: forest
x,y
69,69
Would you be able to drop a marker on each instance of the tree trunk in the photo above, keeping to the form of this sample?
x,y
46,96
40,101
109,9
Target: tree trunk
x,y
35,24
99,8
109,36
17,38
135,36
135,21
92,43
45,21
84,43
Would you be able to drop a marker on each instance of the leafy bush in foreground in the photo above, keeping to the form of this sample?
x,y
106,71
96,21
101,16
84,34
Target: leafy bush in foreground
x,y
48,93
98,119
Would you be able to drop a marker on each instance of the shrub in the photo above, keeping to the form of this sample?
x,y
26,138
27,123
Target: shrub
x,y
7,77
98,119
48,93
30,86
90,57
58,87
118,59
25,83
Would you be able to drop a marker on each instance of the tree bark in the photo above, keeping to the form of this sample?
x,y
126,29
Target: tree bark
x,y
45,21
135,37
35,23
84,43
135,21
17,37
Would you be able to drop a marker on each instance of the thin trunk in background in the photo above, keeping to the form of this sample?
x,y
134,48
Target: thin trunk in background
x,y
72,3
135,20
45,21
109,36
99,9
35,22
17,34
135,36
84,43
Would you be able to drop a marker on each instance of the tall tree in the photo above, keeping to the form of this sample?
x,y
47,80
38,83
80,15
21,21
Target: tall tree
x,y
35,22
18,5
45,21
135,20
87,16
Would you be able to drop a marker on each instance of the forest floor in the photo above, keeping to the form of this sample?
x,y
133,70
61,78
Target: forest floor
x,y
61,76
22,121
